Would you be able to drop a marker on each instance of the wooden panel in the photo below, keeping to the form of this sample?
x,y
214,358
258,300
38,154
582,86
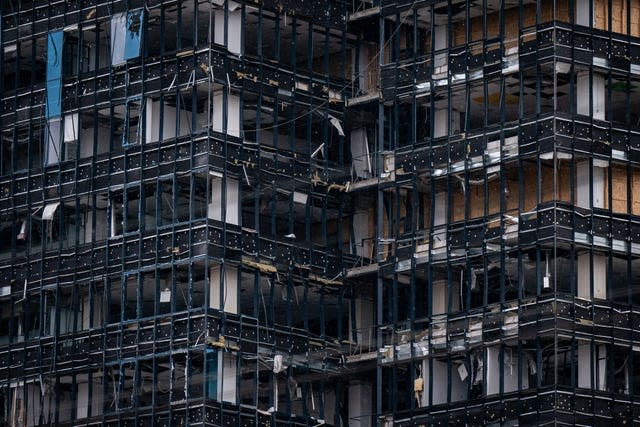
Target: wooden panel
x,y
511,196
346,237
403,211
619,12
546,190
476,201
530,195
561,190
457,202
635,18
618,189
564,182
493,191
473,201
426,210
635,191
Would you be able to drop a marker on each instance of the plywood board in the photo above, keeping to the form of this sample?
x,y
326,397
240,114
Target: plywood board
x,y
619,13
511,20
635,191
620,181
618,189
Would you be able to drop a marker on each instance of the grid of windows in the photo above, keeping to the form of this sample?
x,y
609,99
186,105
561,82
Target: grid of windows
x,y
304,213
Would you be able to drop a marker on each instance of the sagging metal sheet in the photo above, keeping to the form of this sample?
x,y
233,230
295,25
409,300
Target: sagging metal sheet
x,y
49,210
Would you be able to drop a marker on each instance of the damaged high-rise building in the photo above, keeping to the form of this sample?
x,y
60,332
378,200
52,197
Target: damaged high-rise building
x,y
318,212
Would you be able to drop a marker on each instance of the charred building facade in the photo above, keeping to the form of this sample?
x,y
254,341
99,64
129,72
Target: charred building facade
x,y
306,212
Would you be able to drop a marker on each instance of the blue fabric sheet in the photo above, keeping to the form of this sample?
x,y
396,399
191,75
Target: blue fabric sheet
x,y
54,74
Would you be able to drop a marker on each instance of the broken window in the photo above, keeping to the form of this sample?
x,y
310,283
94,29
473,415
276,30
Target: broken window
x,y
124,211
227,26
211,373
591,365
10,60
91,299
173,116
366,68
182,199
9,323
126,33
163,20
197,195
223,288
163,290
53,137
94,51
226,189
28,318
94,133
165,201
333,62
6,152
430,384
13,234
24,63
360,156
503,367
133,122
56,225
75,56
61,313
181,292
204,14
90,394
130,298
95,218
620,363
226,113
71,136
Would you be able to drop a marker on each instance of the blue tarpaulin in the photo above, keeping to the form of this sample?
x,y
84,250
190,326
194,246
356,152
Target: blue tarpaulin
x,y
54,74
